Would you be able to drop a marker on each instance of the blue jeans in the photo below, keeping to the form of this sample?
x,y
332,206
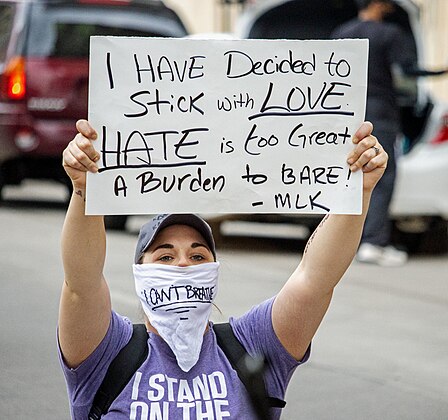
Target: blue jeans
x,y
377,228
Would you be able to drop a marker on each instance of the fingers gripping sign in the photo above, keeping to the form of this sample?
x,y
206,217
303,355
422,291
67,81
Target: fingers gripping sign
x,y
80,155
368,156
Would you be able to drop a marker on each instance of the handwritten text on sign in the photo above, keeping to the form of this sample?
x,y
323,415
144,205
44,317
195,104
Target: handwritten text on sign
x,y
215,126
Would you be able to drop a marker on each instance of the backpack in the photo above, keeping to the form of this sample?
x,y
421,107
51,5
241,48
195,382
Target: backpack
x,y
130,358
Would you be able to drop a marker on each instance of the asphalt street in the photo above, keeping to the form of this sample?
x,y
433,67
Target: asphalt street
x,y
381,352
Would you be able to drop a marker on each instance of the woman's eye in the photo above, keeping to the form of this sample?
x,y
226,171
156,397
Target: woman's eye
x,y
166,258
197,257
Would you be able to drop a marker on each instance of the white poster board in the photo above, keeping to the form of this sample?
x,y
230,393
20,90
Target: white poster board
x,y
225,126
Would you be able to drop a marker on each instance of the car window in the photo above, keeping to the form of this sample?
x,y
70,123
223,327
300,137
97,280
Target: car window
x,y
6,20
66,31
72,39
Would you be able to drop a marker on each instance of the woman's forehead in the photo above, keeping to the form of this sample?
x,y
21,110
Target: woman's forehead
x,y
178,232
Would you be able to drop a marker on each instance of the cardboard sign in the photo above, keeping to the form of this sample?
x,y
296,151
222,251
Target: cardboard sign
x,y
223,126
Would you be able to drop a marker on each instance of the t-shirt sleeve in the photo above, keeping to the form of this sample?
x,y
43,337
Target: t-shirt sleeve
x,y
84,380
256,333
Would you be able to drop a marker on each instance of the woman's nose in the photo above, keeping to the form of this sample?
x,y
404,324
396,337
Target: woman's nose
x,y
183,261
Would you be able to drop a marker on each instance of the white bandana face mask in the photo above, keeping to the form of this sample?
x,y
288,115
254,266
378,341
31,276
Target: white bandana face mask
x,y
178,302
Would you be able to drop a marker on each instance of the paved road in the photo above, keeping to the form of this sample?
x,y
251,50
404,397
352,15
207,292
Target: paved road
x,y
381,352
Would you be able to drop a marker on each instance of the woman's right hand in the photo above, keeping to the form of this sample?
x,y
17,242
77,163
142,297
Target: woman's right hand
x,y
80,156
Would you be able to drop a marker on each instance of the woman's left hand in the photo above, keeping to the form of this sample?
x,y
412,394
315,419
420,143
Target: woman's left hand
x,y
368,156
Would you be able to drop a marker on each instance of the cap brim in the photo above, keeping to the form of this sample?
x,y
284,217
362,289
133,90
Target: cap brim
x,y
192,220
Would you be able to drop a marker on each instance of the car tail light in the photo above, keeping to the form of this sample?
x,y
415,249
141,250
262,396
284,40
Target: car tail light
x,y
442,134
13,79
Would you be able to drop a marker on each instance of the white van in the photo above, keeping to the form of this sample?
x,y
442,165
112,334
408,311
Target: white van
x,y
420,202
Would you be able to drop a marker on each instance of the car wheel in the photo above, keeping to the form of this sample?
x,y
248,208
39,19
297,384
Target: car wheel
x,y
215,225
69,188
2,184
116,222
430,238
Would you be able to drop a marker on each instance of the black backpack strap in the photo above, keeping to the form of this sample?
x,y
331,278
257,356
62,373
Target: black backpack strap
x,y
120,371
249,369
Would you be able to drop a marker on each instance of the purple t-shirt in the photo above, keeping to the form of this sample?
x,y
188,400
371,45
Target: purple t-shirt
x,y
161,390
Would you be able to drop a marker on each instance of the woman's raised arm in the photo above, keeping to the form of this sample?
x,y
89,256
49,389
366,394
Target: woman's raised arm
x,y
85,308
303,301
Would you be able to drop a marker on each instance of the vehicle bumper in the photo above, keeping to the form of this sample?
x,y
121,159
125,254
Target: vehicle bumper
x,y
48,137
422,183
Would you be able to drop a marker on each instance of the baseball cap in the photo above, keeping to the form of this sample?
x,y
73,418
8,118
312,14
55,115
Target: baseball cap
x,y
151,229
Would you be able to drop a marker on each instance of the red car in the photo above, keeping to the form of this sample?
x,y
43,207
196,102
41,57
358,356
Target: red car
x,y
44,49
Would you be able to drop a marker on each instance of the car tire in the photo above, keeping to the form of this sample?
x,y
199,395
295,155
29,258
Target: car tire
x,y
432,240
215,226
2,184
69,188
115,222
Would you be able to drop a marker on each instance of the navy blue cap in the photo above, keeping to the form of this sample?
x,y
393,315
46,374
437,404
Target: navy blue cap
x,y
151,229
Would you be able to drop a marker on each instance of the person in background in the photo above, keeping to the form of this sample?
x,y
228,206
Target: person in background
x,y
389,48
186,375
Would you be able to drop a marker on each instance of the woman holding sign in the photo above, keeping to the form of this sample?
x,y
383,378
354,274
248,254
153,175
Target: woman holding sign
x,y
186,374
